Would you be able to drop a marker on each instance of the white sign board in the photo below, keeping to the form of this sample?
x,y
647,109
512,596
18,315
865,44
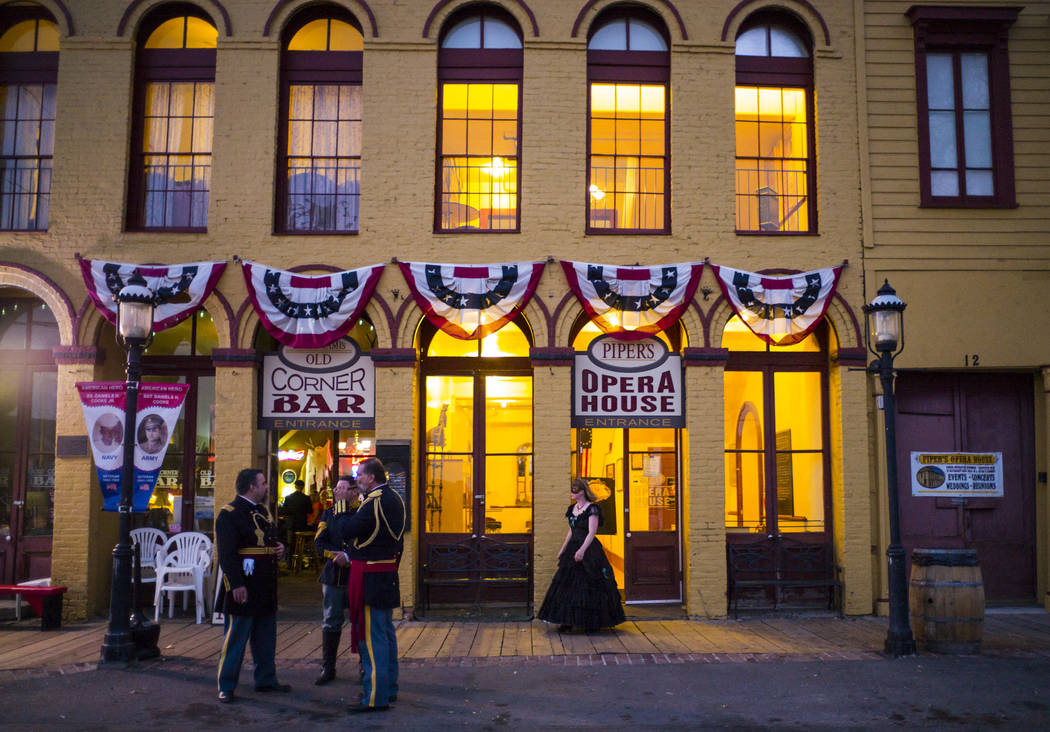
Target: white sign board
x,y
957,474
330,388
627,384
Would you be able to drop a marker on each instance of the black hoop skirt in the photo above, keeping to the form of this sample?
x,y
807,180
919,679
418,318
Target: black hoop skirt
x,y
583,593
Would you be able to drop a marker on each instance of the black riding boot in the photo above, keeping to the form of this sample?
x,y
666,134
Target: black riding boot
x,y
329,650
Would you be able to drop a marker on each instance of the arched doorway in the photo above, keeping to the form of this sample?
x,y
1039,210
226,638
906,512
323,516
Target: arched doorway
x,y
641,469
477,451
28,332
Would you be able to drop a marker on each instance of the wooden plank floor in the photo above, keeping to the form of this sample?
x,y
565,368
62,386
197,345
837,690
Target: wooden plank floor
x,y
24,646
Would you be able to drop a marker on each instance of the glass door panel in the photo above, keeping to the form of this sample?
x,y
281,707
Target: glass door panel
x,y
449,494
448,462
507,501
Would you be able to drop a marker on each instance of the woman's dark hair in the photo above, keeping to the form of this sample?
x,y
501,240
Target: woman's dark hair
x,y
581,484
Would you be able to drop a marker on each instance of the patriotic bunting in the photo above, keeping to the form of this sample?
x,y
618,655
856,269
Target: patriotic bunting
x,y
471,301
630,303
779,310
180,288
312,311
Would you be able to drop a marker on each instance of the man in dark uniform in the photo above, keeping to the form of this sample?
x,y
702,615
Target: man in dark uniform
x,y
334,575
296,509
374,535
248,550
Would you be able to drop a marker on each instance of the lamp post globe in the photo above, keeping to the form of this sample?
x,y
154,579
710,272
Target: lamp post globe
x,y
885,336
135,304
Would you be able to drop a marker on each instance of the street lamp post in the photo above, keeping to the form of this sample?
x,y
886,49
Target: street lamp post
x,y
135,303
885,340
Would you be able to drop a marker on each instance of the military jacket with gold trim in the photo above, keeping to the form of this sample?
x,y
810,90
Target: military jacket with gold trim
x,y
375,532
245,531
328,544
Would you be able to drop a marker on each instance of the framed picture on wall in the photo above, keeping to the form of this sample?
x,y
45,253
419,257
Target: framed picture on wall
x,y
610,471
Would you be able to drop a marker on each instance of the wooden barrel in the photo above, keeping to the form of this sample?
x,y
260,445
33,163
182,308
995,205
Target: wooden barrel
x,y
946,596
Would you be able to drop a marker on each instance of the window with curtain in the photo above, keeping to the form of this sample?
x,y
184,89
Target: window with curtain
x,y
479,125
963,97
628,67
320,145
28,72
170,172
775,161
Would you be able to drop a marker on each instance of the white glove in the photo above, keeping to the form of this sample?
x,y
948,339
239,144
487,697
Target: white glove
x,y
249,566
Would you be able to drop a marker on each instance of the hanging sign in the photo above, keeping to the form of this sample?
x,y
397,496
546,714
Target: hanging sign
x,y
180,288
957,474
627,384
159,406
330,388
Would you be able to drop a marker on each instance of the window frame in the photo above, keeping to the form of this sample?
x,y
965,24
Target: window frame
x,y
30,68
643,67
956,30
162,65
769,363
481,66
314,68
784,72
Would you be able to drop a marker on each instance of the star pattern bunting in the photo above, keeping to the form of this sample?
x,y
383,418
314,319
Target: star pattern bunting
x,y
471,301
180,288
309,311
631,303
780,310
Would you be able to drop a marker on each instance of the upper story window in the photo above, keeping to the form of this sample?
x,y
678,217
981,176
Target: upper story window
x,y
628,75
28,72
170,170
775,156
479,126
962,85
319,163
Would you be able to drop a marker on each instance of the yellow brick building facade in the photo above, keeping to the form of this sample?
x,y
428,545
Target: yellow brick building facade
x,y
864,205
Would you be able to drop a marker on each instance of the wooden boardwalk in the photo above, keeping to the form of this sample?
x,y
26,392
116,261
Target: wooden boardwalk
x,y
24,646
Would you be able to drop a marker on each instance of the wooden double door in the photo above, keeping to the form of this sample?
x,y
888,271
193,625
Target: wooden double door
x,y
973,412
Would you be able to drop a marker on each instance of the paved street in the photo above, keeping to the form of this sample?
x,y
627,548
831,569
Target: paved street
x,y
957,693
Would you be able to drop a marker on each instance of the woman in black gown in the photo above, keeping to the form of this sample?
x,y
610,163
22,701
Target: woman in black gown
x,y
583,591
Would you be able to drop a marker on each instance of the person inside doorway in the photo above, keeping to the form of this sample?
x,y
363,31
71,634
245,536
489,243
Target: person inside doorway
x,y
296,511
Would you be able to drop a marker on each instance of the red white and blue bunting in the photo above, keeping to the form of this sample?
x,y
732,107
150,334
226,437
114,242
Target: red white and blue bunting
x,y
779,310
630,303
471,301
309,311
195,281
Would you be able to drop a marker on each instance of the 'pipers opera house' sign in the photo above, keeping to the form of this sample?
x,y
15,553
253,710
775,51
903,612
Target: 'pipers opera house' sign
x,y
627,384
330,388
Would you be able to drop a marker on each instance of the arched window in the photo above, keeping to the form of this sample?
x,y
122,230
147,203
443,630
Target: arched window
x,y
775,159
776,436
319,162
628,148
28,73
479,124
170,171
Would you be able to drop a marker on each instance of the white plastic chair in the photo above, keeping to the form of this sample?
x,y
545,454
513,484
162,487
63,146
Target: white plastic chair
x,y
150,541
182,564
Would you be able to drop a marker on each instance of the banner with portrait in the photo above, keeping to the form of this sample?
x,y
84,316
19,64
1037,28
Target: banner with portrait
x,y
159,407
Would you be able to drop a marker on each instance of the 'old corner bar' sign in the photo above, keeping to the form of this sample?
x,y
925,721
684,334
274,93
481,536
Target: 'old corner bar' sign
x,y
330,388
957,474
627,384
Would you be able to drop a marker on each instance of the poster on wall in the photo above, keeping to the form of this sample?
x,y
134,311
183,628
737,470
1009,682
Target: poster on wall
x,y
627,384
329,388
159,406
957,474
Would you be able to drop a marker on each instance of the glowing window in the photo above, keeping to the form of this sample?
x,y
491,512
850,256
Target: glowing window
x,y
326,34
183,32
774,157
509,340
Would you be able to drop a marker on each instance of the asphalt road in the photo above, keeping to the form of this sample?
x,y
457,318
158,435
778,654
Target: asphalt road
x,y
960,693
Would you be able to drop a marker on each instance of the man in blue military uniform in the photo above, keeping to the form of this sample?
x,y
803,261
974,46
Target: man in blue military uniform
x,y
334,575
374,537
248,549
